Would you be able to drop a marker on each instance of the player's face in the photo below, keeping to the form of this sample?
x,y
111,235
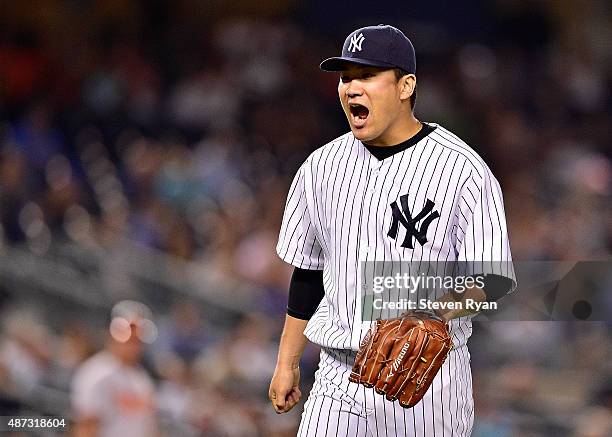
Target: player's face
x,y
370,98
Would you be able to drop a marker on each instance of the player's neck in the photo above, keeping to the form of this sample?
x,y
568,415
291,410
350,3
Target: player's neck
x,y
406,129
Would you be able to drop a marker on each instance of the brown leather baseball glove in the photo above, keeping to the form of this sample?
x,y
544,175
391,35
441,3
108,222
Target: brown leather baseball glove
x,y
400,357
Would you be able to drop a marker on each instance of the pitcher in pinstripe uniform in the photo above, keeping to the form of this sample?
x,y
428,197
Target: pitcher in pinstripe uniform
x,y
392,189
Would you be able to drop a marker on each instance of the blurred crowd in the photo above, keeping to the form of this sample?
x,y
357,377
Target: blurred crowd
x,y
178,129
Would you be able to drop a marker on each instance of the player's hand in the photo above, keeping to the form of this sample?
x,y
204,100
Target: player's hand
x,y
284,390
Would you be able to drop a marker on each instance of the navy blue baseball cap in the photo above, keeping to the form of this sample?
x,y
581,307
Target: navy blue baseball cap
x,y
377,46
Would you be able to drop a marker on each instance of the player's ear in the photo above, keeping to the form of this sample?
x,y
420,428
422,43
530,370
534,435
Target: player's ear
x,y
407,84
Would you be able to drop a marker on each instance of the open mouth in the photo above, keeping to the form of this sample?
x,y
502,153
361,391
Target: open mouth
x,y
359,114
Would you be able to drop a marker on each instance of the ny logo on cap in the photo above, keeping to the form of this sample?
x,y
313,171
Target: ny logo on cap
x,y
356,41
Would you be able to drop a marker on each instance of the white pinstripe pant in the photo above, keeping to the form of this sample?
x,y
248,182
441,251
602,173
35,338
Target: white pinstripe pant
x,y
337,407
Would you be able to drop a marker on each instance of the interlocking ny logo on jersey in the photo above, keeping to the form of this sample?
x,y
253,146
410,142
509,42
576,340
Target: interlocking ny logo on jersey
x,y
356,41
410,223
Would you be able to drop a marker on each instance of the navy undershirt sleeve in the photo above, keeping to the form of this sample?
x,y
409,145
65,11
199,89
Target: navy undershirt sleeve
x,y
496,287
305,293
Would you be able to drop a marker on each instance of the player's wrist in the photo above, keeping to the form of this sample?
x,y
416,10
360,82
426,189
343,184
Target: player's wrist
x,y
445,316
292,363
433,313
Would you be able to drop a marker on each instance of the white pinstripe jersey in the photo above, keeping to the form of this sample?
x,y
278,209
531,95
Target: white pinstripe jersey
x,y
338,213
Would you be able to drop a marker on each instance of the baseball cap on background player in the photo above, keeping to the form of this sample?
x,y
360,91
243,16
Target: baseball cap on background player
x,y
377,46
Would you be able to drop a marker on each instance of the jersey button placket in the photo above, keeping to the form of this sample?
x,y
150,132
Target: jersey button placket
x,y
372,182
369,189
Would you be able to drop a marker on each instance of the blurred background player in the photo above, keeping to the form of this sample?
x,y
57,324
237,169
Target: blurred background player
x,y
112,394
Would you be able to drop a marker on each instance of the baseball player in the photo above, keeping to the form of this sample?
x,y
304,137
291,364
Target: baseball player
x,y
111,393
392,189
